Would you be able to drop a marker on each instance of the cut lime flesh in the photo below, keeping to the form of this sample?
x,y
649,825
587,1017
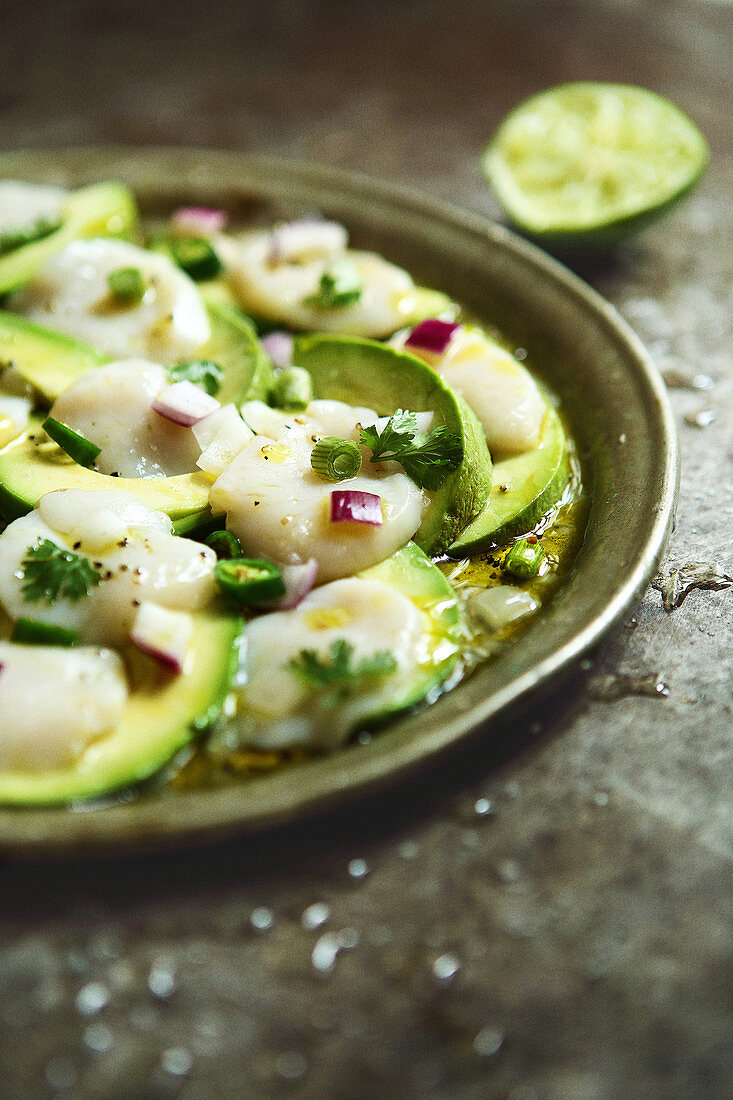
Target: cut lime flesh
x,y
589,162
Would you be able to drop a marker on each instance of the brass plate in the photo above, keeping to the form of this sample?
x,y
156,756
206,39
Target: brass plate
x,y
613,395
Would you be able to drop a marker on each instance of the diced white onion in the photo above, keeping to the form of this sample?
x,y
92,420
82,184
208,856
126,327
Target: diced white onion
x,y
496,607
184,403
206,429
163,634
224,447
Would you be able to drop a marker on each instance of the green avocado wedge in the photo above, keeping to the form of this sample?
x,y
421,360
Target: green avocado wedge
x,y
51,361
524,488
101,210
411,573
331,716
48,361
365,372
234,345
30,467
164,712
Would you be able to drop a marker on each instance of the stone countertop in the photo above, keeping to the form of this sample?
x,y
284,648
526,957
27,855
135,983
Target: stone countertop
x,y
544,924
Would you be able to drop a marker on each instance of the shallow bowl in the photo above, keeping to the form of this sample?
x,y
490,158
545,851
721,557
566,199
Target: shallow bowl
x,y
613,396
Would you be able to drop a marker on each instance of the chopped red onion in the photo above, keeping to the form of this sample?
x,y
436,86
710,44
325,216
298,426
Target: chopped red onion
x,y
308,237
184,403
298,580
355,506
199,219
163,634
432,335
279,347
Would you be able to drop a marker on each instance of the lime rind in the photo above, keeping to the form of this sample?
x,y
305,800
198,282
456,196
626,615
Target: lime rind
x,y
588,163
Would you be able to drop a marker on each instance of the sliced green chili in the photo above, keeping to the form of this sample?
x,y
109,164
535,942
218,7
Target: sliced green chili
x,y
35,632
225,544
250,581
196,256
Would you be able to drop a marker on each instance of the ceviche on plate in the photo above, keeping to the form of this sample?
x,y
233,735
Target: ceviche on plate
x,y
260,492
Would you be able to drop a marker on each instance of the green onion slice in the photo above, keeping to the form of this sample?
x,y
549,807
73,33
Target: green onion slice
x,y
77,446
36,632
525,558
293,389
336,459
127,285
225,544
250,581
196,256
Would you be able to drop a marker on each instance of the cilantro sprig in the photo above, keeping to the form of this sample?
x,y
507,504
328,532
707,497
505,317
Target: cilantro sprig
x,y
338,675
340,285
51,573
202,372
426,458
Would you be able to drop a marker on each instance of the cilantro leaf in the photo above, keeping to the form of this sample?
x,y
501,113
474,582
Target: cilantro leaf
x,y
202,372
428,463
426,459
398,432
51,573
340,286
336,674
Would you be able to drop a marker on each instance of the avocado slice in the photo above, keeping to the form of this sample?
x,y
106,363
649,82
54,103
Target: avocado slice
x,y
365,372
28,469
48,361
163,714
235,346
411,573
101,210
329,719
524,488
51,361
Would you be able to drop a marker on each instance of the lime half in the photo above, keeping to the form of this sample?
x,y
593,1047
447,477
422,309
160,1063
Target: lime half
x,y
586,163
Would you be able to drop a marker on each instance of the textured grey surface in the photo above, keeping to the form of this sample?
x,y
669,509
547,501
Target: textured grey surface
x,y
550,922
